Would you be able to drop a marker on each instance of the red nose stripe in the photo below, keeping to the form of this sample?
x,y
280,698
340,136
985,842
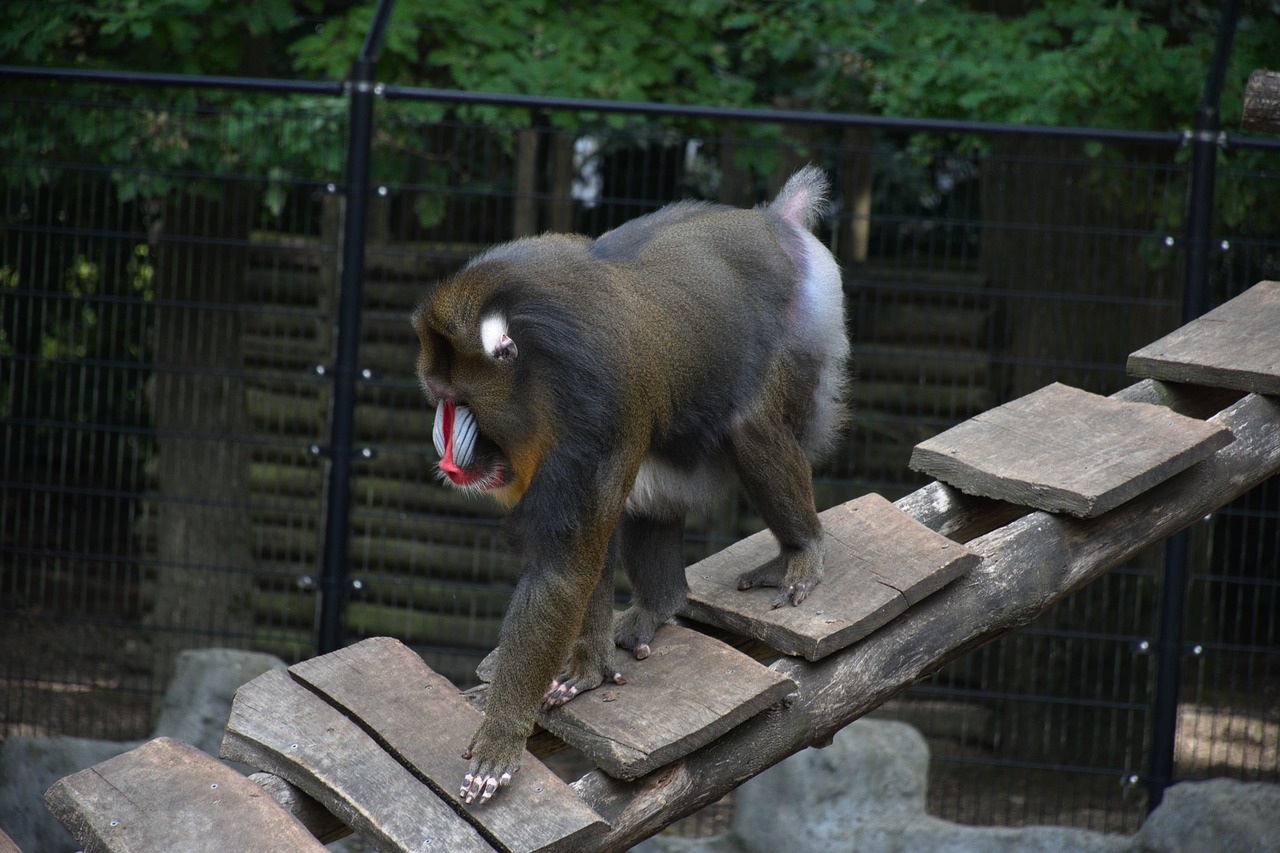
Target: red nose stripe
x,y
447,465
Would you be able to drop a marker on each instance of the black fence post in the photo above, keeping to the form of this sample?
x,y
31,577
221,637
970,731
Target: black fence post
x,y
334,578
1205,139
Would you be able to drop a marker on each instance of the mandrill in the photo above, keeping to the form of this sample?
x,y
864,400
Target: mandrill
x,y
603,388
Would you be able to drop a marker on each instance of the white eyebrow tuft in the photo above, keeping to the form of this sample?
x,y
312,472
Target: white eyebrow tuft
x,y
492,330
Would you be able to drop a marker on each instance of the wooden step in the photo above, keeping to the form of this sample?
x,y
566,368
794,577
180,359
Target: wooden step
x,y
879,562
279,726
420,717
691,690
1061,449
167,795
1236,345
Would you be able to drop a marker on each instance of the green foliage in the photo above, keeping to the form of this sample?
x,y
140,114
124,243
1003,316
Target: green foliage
x,y
661,50
179,36
82,123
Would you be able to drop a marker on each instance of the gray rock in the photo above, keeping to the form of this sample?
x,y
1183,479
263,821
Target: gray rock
x,y
198,701
195,709
1217,815
866,792
28,766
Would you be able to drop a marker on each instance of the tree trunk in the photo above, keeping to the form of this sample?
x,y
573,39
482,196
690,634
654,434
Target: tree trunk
x,y
858,152
204,576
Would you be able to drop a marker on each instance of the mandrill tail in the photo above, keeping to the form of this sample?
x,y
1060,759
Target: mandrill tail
x,y
803,199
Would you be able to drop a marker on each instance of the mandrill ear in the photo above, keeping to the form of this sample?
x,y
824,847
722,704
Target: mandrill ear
x,y
495,340
506,349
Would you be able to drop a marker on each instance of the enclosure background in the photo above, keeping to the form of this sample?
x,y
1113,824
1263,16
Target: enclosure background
x,y
166,394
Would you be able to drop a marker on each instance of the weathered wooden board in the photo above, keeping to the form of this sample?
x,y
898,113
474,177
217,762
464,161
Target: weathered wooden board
x,y
167,795
1236,345
688,692
422,719
1061,449
879,561
279,726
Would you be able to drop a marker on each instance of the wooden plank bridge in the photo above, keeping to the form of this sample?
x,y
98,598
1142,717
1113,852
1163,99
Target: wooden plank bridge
x,y
1033,500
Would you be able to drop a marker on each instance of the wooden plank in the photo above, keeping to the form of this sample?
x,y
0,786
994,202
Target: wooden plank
x,y
691,690
422,719
279,726
1236,345
879,561
1261,110
168,795
963,517
1061,449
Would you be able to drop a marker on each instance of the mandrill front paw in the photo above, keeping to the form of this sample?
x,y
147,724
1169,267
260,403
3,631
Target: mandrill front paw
x,y
485,776
494,754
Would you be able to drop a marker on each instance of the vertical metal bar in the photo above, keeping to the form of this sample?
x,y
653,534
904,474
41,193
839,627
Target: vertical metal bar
x,y
334,579
1177,560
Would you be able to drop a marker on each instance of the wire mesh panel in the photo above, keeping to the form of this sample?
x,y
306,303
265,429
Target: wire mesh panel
x,y
160,397
167,359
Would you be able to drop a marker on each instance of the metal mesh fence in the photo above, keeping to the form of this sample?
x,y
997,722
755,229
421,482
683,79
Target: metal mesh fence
x,y
165,394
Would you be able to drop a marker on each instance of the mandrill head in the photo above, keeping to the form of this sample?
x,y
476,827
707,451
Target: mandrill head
x,y
480,376
467,367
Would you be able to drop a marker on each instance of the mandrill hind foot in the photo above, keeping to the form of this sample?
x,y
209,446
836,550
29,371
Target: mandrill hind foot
x,y
793,575
567,686
634,630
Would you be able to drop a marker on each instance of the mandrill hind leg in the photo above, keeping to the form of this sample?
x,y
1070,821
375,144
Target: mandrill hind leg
x,y
653,553
591,658
779,480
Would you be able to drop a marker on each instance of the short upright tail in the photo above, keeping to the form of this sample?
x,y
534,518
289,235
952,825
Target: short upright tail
x,y
803,199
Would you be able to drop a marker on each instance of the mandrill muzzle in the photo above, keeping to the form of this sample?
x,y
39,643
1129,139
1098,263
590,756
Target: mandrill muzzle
x,y
454,434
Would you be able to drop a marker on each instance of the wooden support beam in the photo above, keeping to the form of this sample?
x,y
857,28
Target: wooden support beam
x,y
1028,565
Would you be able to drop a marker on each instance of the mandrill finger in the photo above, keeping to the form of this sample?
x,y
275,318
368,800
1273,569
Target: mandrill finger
x,y
482,786
558,695
795,594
